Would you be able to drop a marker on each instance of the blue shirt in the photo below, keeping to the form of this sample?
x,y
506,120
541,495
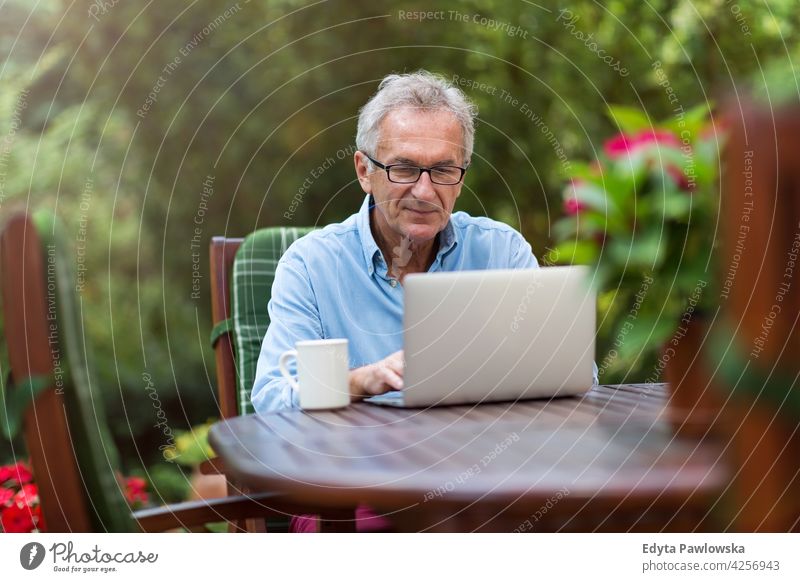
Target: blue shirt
x,y
334,283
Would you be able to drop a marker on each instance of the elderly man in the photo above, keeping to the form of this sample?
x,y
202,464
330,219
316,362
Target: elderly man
x,y
415,139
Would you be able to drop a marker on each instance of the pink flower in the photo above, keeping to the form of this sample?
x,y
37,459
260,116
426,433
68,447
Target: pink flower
x,y
136,484
21,473
20,511
135,491
680,178
5,496
571,203
28,495
573,206
622,145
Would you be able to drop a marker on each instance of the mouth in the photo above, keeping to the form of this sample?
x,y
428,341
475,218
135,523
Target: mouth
x,y
419,212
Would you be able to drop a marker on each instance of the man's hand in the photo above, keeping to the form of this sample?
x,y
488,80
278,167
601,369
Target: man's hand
x,y
377,378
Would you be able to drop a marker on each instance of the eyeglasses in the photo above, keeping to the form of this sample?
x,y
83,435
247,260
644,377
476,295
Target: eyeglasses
x,y
407,174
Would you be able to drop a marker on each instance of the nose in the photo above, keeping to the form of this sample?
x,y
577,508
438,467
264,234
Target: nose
x,y
423,189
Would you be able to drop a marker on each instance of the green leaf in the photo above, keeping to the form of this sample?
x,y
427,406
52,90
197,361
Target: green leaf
x,y
192,446
706,160
582,225
565,228
593,196
617,184
574,252
692,120
697,117
674,205
14,402
629,119
645,251
582,171
650,331
628,173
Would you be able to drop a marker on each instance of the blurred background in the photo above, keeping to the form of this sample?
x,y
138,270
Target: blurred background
x,y
150,127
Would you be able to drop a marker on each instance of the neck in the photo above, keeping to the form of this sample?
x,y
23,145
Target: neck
x,y
402,255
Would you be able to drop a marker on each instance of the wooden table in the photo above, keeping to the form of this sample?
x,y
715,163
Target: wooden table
x,y
607,461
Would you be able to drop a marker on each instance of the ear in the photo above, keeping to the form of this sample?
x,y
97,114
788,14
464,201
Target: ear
x,y
362,171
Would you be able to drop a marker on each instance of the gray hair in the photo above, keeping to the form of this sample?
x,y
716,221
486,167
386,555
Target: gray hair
x,y
420,90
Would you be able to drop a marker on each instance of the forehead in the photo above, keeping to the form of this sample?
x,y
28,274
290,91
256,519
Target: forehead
x,y
420,135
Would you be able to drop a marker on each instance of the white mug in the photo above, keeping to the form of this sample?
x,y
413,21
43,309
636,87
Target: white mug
x,y
322,373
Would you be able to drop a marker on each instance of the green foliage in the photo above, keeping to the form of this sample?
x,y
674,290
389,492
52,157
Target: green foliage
x,y
191,446
168,483
646,212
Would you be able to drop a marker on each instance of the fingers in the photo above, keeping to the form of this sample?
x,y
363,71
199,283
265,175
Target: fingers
x,y
382,376
383,379
396,363
392,379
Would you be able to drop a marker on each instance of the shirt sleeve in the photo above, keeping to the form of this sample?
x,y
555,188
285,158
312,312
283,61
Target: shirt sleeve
x,y
294,316
523,257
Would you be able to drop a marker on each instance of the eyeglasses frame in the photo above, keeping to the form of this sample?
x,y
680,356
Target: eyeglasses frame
x,y
421,169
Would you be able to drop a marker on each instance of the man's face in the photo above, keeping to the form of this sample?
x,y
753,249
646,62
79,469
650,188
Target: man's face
x,y
417,211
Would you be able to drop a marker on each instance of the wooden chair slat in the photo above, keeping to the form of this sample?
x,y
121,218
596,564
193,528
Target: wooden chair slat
x,y
222,254
55,467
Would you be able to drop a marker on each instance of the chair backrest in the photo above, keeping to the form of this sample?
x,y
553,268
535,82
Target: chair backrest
x,y
222,251
757,340
243,271
73,458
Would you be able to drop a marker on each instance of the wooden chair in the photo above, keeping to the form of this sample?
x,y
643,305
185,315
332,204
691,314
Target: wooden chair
x,y
52,396
242,273
754,346
222,252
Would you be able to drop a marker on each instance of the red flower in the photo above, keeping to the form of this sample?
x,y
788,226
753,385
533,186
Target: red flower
x,y
17,519
622,145
28,495
573,206
680,178
22,473
20,510
135,484
5,496
571,203
19,473
135,491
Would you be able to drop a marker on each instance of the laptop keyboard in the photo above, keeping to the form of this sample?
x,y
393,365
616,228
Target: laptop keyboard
x,y
394,396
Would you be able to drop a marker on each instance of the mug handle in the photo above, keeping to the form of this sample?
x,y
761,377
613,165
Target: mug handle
x,y
284,371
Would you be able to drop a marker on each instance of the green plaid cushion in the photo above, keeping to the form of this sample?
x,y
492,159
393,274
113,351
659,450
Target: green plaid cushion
x,y
253,274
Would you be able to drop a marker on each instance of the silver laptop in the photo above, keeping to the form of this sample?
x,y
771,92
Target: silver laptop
x,y
483,336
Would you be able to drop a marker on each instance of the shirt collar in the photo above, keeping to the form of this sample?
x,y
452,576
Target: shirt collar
x,y
368,244
448,237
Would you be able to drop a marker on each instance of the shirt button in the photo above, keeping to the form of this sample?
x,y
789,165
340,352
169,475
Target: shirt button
x,y
393,282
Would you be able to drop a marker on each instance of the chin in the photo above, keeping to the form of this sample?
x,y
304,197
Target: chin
x,y
421,232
